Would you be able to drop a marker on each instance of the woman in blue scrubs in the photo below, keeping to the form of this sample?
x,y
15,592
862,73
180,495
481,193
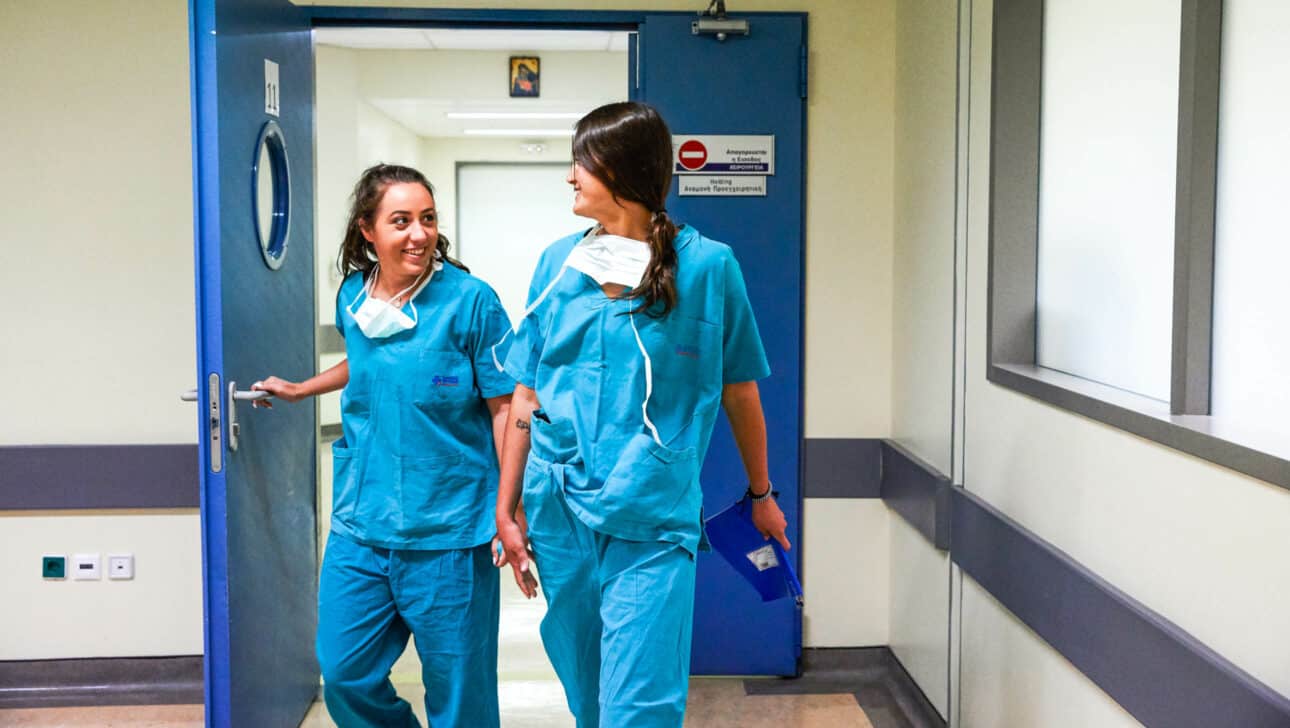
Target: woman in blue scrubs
x,y
414,490
622,364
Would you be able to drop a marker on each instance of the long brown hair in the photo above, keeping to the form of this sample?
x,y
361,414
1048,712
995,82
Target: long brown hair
x,y
368,193
628,147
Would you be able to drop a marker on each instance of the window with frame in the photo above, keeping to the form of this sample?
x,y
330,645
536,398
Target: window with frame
x,y
1115,227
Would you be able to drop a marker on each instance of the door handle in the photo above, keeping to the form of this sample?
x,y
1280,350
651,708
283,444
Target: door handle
x,y
190,395
234,395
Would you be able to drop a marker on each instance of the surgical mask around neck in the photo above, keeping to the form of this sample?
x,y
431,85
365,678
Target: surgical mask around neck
x,y
611,259
379,319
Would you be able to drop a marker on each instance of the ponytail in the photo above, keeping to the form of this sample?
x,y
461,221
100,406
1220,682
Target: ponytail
x,y
658,285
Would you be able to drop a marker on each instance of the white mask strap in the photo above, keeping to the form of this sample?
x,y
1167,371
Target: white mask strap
x,y
531,308
366,291
649,380
370,286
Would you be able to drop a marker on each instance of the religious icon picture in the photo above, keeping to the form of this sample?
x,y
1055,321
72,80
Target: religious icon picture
x,y
524,75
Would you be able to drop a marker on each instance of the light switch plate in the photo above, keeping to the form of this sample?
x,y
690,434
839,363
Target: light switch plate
x,y
120,566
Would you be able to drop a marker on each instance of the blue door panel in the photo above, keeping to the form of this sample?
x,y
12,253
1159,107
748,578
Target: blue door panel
x,y
258,512
745,85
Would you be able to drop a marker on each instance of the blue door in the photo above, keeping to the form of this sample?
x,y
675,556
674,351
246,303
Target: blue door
x,y
252,112
745,85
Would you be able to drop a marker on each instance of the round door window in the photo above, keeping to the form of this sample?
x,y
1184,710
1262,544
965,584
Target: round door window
x,y
271,194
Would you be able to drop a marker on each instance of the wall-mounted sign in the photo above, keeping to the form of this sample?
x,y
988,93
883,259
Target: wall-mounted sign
x,y
721,186
723,154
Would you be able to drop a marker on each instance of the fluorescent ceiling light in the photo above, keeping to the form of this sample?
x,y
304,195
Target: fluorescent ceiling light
x,y
520,132
513,115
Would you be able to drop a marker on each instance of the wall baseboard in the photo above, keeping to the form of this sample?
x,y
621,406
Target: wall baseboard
x,y
101,681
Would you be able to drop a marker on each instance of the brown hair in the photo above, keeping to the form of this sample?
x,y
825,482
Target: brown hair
x,y
368,193
628,147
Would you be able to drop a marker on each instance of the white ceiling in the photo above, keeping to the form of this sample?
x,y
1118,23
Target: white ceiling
x,y
455,39
424,108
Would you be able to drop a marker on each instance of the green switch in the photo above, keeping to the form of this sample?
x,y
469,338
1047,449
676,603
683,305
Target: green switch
x,y
53,567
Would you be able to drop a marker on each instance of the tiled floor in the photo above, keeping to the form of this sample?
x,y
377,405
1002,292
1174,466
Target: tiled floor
x,y
529,693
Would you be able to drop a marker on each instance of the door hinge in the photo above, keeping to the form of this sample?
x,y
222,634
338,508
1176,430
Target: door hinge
x,y
802,80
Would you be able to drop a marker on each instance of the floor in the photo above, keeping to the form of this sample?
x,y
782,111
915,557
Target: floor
x,y
529,694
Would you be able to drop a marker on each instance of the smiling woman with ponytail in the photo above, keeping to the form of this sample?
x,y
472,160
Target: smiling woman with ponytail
x,y
637,333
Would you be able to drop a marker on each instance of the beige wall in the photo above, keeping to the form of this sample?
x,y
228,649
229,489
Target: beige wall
x,y
98,224
99,334
159,612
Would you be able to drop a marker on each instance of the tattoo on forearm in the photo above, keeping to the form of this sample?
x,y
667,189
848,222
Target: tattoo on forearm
x,y
522,424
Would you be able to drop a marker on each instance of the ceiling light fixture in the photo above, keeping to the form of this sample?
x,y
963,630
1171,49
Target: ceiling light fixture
x,y
520,132
544,115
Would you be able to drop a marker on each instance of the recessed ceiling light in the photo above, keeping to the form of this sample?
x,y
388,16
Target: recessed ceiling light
x,y
513,115
520,132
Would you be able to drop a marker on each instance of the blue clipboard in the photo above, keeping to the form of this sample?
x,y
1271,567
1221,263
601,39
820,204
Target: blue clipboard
x,y
762,563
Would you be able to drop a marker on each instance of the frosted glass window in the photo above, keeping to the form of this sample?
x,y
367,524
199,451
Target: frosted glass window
x,y
1251,341
1108,154
507,215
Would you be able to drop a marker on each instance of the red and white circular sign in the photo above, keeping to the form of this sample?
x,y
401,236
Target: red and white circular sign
x,y
692,155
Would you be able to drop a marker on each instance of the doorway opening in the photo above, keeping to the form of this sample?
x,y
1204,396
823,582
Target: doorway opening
x,y
496,147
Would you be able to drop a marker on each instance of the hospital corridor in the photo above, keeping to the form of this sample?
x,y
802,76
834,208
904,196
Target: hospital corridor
x,y
680,363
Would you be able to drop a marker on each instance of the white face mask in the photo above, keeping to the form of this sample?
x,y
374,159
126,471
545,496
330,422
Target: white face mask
x,y
611,259
377,319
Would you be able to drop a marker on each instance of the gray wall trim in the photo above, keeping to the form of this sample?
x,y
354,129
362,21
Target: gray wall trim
x,y
1159,673
101,681
842,468
1198,80
1014,180
80,477
918,492
1204,437
330,341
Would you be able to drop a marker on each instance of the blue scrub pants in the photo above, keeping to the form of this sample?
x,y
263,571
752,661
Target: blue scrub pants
x,y
619,616
371,599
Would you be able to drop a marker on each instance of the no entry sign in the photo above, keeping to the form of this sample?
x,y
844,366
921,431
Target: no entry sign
x,y
723,154
692,155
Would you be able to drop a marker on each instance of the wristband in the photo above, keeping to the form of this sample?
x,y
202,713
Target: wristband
x,y
770,492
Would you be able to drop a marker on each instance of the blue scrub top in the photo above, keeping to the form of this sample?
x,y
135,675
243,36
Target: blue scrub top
x,y
578,351
417,466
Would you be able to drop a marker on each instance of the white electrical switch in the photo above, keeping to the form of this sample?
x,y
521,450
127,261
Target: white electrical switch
x,y
120,566
85,566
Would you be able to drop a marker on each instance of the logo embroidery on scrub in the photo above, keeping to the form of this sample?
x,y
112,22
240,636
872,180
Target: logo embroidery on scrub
x,y
443,380
690,351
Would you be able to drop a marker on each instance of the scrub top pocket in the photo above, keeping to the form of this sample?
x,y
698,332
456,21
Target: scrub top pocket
x,y
347,479
653,487
434,493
